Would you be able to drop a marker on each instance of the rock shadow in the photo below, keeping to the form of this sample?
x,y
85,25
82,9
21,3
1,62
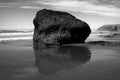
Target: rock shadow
x,y
52,60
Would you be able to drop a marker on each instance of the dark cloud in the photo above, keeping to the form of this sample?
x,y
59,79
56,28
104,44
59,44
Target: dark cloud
x,y
115,3
7,1
16,1
109,2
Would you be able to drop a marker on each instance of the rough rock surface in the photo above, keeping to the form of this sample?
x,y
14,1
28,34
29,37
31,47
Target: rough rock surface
x,y
112,27
57,28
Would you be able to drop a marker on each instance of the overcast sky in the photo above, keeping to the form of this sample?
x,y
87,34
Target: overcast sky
x,y
19,14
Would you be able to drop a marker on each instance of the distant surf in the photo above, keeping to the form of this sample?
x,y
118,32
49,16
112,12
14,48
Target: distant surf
x,y
6,35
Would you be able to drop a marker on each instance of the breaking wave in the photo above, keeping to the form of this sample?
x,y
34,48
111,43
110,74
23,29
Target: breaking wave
x,y
15,35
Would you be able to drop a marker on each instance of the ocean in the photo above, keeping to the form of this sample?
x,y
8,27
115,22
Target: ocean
x,y
6,35
15,35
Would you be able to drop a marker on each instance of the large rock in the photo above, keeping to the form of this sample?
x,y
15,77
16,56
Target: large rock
x,y
110,27
57,28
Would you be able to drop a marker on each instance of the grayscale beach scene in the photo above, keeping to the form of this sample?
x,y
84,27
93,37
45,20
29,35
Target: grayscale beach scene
x,y
59,40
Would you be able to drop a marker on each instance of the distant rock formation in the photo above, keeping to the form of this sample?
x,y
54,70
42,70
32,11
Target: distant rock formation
x,y
105,43
113,31
114,27
57,28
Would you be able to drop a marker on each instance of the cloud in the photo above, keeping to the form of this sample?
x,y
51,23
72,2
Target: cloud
x,y
9,4
3,6
7,1
22,4
85,7
29,7
91,7
15,1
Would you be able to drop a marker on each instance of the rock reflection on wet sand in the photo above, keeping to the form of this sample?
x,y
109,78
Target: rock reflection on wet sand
x,y
75,62
52,60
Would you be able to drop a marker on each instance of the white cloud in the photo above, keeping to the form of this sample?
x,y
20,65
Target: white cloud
x,y
20,5
29,7
85,7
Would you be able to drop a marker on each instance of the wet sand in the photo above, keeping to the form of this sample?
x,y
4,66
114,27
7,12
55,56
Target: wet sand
x,y
20,61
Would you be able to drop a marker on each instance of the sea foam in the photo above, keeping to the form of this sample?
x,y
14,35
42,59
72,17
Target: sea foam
x,y
20,35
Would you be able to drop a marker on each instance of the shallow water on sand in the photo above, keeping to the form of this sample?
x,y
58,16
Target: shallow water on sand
x,y
66,63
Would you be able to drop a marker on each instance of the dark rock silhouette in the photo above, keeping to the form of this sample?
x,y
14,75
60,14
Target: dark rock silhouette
x,y
52,60
57,28
111,27
112,36
105,43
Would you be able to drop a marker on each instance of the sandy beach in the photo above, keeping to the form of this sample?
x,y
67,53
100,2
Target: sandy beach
x,y
20,61
59,39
